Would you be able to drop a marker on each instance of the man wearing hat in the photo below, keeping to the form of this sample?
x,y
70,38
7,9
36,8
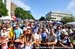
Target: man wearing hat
x,y
65,40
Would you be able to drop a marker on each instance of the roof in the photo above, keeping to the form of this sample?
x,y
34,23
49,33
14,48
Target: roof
x,y
59,12
18,3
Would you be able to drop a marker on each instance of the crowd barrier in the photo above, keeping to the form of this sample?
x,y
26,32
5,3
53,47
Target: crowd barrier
x,y
54,47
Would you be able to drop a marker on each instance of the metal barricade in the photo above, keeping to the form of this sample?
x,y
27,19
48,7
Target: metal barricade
x,y
54,47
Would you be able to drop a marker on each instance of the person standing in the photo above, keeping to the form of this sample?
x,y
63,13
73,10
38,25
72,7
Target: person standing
x,y
17,32
51,38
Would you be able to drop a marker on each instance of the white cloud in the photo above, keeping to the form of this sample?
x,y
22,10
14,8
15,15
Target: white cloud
x,y
71,7
20,4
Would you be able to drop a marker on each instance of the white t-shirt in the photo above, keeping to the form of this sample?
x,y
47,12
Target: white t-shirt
x,y
71,31
5,47
28,46
4,34
37,36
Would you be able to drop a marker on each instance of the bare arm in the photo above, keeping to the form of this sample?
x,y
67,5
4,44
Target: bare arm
x,y
63,45
54,42
14,36
17,40
9,35
32,42
51,43
71,45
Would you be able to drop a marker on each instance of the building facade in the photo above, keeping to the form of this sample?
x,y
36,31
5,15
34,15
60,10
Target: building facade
x,y
13,7
8,6
57,15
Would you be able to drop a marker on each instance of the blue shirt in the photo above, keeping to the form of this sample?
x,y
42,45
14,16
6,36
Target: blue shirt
x,y
18,32
36,29
58,35
44,36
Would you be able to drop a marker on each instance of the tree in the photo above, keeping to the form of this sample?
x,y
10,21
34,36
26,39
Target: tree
x,y
48,18
67,19
42,18
23,14
3,9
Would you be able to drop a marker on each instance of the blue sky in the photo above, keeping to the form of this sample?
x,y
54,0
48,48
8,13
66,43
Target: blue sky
x,y
40,8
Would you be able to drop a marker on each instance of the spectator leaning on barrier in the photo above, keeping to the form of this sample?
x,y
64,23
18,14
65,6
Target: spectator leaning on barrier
x,y
11,33
29,39
58,32
37,37
4,38
17,31
20,41
73,40
65,41
44,35
52,39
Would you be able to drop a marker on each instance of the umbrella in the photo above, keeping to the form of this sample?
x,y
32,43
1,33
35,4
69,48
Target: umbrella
x,y
50,21
18,19
59,22
71,23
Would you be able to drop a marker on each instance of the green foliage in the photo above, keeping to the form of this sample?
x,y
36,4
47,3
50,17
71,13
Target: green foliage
x,y
3,10
67,19
42,18
23,14
48,18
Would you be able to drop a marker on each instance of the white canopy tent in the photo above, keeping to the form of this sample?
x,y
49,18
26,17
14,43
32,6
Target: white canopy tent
x,y
5,18
71,23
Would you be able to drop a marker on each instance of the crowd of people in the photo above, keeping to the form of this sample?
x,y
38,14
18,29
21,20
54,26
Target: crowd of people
x,y
35,35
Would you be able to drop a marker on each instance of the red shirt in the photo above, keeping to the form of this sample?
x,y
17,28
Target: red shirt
x,y
10,48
